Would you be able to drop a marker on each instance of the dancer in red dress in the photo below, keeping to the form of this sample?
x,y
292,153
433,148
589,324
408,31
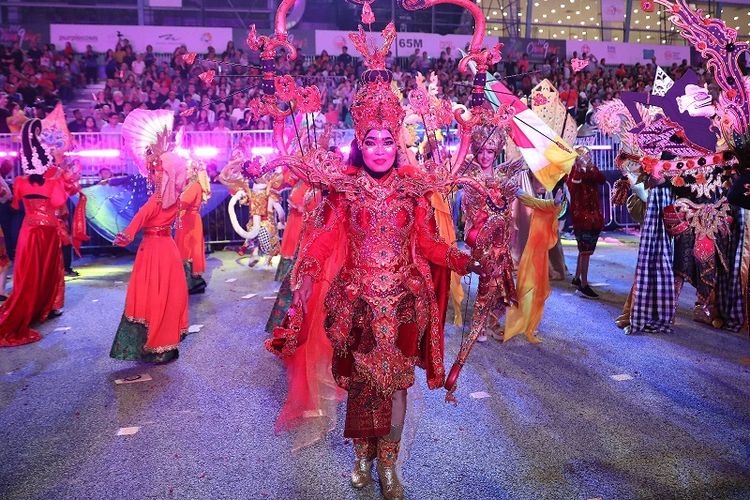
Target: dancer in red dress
x,y
189,233
38,272
156,315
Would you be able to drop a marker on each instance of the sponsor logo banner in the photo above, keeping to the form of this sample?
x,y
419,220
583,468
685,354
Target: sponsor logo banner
x,y
162,38
630,53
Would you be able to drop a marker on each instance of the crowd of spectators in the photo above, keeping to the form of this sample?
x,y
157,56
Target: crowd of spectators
x,y
36,78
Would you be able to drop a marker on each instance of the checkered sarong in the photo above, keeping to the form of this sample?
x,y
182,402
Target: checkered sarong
x,y
654,299
729,284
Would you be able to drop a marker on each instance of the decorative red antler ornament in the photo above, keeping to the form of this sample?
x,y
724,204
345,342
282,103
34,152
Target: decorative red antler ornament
x,y
647,6
286,87
309,99
368,17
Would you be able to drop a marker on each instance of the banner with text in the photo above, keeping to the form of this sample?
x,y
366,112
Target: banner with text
x,y
161,38
405,45
629,53
537,50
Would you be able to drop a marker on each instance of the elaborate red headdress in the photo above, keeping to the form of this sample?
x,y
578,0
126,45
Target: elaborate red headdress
x,y
375,105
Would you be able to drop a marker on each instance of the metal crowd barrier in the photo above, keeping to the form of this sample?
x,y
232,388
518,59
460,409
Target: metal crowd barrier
x,y
97,151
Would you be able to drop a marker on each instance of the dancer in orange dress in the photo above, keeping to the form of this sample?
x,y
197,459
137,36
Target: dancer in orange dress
x,y
533,270
38,273
156,315
189,233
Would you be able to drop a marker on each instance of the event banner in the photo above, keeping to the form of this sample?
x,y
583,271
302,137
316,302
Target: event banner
x,y
630,53
537,50
405,45
163,38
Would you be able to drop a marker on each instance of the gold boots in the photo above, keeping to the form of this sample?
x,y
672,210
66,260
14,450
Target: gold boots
x,y
364,454
390,485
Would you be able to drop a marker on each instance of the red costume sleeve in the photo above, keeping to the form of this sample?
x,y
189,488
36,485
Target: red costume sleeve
x,y
594,176
146,212
322,231
57,196
434,248
18,187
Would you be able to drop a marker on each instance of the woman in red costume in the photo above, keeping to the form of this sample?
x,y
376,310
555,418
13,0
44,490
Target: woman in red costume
x,y
489,222
189,233
381,310
156,315
38,281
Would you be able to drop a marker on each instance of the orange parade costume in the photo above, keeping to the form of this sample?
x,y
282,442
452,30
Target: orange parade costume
x,y
189,234
382,302
373,243
533,276
156,312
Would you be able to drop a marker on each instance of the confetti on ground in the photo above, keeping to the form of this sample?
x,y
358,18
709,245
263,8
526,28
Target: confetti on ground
x,y
230,280
567,294
62,328
119,283
479,395
249,295
621,377
194,328
134,379
603,283
271,297
127,431
95,301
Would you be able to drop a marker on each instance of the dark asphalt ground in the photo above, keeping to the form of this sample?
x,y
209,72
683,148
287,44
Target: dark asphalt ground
x,y
555,425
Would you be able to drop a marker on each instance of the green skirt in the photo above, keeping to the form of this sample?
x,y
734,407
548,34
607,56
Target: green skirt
x,y
129,342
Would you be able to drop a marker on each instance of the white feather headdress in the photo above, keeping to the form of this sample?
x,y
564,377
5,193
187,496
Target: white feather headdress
x,y
145,130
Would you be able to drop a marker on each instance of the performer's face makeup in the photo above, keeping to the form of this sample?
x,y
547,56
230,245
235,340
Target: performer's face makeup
x,y
486,157
379,150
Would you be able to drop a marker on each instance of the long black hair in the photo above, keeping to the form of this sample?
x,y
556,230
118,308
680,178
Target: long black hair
x,y
30,144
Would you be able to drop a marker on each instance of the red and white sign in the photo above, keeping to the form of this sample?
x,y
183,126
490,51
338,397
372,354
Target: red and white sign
x,y
630,53
161,38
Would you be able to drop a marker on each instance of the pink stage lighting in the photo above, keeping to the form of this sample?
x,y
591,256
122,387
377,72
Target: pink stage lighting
x,y
5,154
95,153
206,152
262,151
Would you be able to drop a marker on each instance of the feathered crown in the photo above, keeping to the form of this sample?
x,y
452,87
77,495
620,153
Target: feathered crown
x,y
375,105
147,134
36,157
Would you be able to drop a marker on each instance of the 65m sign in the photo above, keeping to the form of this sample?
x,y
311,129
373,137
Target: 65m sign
x,y
408,44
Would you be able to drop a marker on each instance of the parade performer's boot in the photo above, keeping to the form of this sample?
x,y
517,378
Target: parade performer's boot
x,y
390,485
365,450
